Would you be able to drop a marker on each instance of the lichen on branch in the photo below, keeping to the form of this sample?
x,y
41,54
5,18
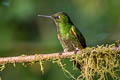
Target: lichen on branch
x,y
99,63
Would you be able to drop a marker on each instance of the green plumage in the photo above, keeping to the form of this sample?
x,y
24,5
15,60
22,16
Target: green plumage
x,y
70,37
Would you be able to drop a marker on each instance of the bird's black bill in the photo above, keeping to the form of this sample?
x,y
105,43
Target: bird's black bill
x,y
45,16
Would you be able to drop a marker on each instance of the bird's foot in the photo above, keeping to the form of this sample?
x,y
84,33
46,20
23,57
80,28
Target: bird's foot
x,y
65,50
76,50
60,53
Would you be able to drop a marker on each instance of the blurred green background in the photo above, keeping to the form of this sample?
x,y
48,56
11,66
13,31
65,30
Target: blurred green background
x,y
23,32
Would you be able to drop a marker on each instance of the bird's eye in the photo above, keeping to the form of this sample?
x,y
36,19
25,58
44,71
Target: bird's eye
x,y
57,17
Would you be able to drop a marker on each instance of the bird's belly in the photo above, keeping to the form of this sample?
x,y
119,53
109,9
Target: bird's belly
x,y
70,44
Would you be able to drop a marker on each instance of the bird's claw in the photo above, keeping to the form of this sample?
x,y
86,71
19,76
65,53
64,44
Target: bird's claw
x,y
76,50
65,50
60,53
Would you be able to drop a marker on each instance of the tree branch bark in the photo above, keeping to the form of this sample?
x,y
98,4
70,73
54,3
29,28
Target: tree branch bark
x,y
38,57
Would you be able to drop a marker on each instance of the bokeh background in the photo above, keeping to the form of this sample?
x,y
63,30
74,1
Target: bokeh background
x,y
23,32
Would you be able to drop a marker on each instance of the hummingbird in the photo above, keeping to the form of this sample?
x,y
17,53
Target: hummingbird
x,y
68,34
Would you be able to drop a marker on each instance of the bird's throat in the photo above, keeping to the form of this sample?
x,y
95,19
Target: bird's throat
x,y
63,28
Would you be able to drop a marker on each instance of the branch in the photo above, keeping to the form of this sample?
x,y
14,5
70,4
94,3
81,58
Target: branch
x,y
34,58
38,57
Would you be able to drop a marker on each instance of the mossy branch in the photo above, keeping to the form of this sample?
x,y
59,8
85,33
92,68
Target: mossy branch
x,y
51,56
34,58
96,62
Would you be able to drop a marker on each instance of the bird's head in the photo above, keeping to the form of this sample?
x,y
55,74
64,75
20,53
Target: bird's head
x,y
59,17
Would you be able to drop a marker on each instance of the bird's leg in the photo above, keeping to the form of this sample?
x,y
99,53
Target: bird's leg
x,y
76,50
60,53
65,50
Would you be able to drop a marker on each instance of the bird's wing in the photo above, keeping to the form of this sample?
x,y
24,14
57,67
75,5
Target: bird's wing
x,y
78,36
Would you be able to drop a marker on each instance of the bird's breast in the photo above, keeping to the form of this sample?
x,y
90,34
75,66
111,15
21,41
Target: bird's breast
x,y
68,41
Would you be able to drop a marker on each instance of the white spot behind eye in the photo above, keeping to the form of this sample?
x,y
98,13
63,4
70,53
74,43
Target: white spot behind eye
x,y
59,17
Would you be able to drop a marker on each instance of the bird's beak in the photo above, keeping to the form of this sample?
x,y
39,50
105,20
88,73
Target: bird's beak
x,y
46,16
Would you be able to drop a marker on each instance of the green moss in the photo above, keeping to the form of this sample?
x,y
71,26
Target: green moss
x,y
14,64
41,66
2,67
98,63
66,72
